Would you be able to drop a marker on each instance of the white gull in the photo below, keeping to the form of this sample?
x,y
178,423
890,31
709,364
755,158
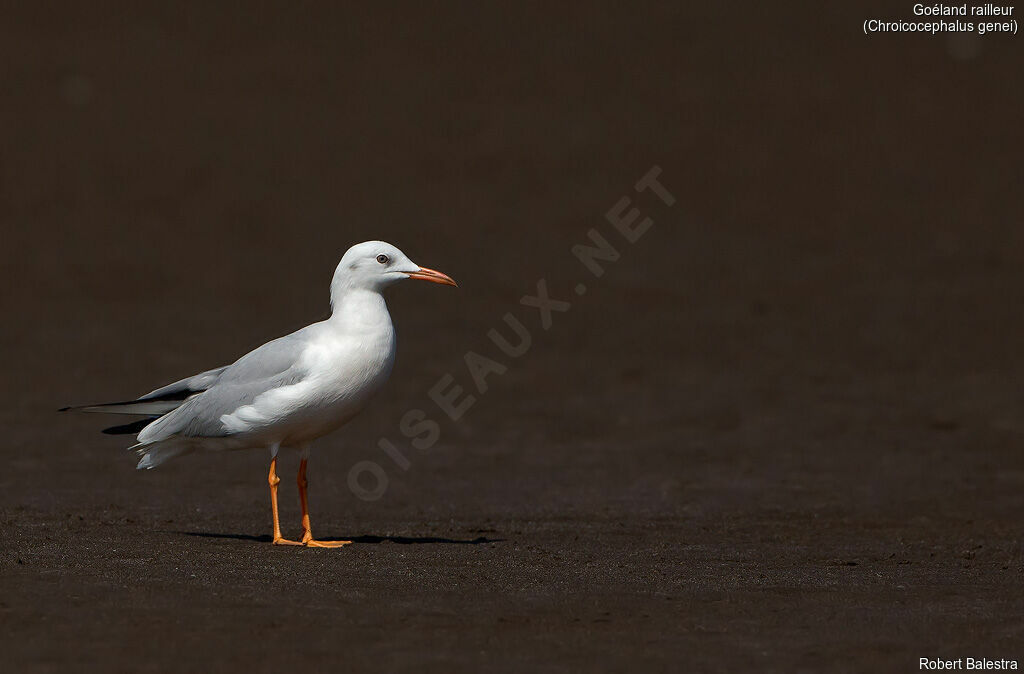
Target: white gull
x,y
290,391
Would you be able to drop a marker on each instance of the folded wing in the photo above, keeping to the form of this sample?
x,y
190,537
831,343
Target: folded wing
x,y
154,404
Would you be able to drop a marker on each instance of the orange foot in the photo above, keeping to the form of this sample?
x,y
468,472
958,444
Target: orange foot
x,y
311,543
285,541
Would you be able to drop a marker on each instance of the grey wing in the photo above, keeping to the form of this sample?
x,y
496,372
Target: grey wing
x,y
160,401
187,386
270,366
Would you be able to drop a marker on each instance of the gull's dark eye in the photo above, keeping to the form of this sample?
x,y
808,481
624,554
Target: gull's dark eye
x,y
382,258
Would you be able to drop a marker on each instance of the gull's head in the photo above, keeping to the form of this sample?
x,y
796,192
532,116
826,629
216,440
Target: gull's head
x,y
375,265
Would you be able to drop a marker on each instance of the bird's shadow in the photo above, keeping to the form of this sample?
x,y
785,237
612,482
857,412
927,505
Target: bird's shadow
x,y
400,540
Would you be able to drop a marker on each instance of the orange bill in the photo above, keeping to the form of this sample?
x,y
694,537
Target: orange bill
x,y
424,274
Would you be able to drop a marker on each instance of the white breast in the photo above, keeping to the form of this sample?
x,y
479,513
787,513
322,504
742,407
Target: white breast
x,y
346,361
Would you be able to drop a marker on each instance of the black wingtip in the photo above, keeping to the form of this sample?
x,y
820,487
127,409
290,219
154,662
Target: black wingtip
x,y
64,409
132,428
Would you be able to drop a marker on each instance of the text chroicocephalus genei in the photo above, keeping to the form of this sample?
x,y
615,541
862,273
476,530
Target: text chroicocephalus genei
x,y
291,390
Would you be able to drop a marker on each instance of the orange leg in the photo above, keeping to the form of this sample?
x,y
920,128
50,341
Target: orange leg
x,y
273,479
307,533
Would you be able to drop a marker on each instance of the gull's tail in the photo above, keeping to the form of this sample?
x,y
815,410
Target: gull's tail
x,y
152,454
151,407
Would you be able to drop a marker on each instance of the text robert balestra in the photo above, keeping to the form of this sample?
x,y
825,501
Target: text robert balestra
x,y
938,664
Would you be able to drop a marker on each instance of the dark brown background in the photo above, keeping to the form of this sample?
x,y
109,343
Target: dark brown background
x,y
783,432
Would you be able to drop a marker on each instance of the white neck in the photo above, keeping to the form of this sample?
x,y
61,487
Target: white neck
x,y
358,307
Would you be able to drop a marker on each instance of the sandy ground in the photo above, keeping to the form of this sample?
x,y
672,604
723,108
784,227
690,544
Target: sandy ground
x,y
781,433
